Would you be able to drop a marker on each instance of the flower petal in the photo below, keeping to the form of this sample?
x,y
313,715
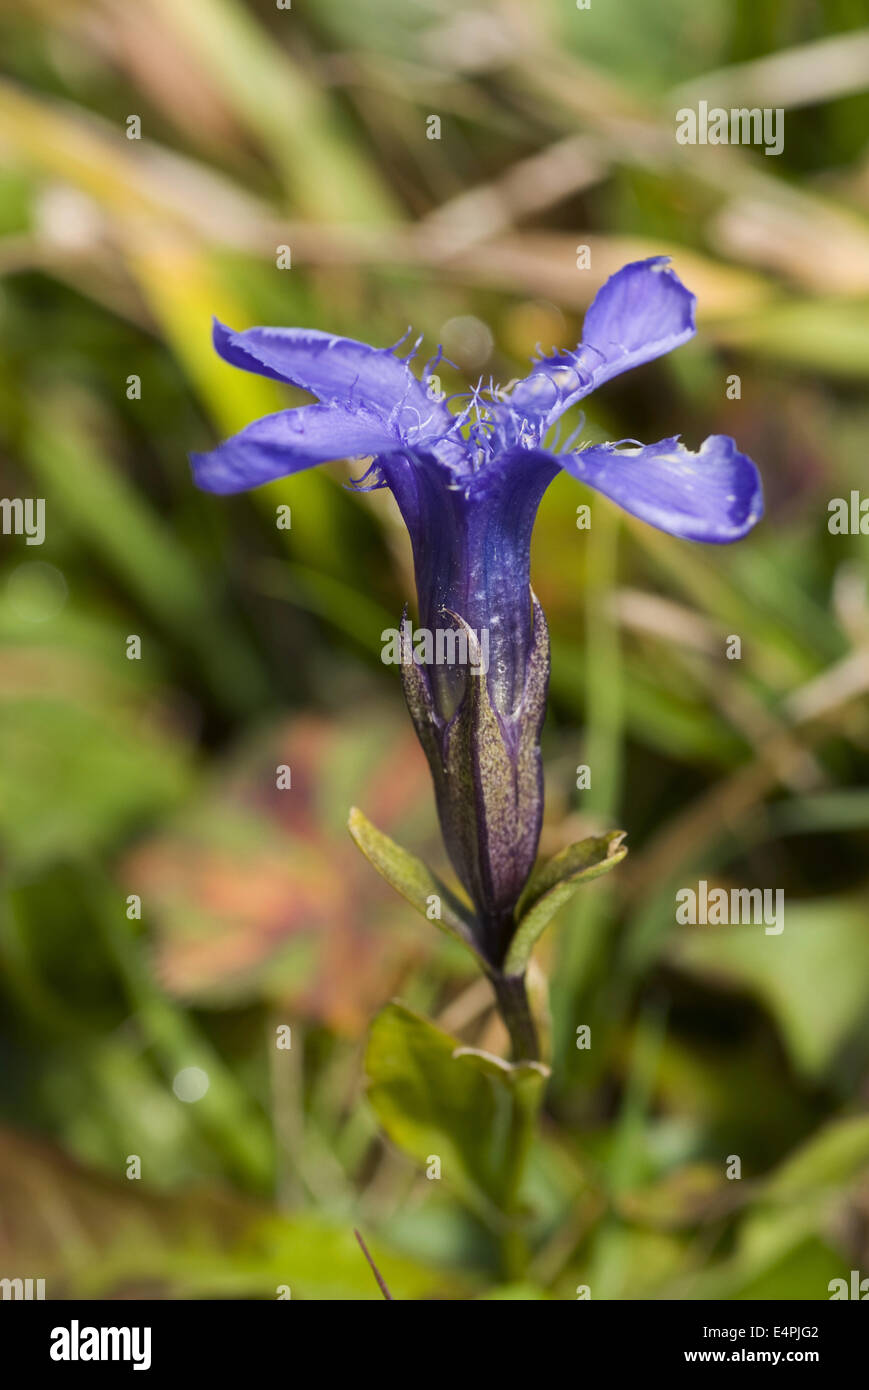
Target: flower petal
x,y
641,312
339,371
288,442
713,495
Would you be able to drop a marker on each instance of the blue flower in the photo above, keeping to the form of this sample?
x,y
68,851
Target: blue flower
x,y
468,486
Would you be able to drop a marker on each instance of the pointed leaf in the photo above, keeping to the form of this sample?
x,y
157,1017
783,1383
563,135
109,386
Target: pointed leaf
x,y
473,1111
410,877
553,883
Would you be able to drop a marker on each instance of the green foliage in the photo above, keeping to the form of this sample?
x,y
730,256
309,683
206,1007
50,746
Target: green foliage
x,y
155,777
78,774
472,1112
553,883
416,883
826,941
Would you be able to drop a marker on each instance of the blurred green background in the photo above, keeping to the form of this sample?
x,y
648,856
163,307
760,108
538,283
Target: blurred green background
x,y
260,128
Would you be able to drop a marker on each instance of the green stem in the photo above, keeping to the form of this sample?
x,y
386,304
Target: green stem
x,y
513,1006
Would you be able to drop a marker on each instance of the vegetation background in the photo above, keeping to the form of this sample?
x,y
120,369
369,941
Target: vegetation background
x,y
307,127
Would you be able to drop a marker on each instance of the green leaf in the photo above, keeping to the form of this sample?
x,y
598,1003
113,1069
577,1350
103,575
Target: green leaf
x,y
411,878
823,939
553,883
473,1111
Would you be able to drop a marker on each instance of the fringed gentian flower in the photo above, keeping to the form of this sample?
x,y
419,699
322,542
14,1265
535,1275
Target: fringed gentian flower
x,y
468,486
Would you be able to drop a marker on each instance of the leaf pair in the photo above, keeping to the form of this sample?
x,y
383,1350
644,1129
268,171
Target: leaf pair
x,y
548,888
470,1112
